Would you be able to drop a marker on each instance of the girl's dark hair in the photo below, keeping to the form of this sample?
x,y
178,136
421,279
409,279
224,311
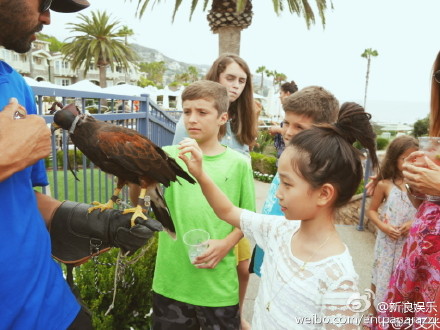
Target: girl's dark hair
x,y
325,153
241,111
290,87
388,168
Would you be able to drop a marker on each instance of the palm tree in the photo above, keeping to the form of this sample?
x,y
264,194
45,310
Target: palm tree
x,y
368,53
126,32
279,78
99,42
193,73
270,73
262,70
229,17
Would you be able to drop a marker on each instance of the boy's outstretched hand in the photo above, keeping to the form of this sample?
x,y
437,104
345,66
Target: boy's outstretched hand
x,y
194,163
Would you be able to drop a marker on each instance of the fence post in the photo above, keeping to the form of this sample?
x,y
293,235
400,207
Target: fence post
x,y
144,108
364,193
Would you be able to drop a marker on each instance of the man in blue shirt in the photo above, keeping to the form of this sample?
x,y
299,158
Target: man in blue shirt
x,y
33,292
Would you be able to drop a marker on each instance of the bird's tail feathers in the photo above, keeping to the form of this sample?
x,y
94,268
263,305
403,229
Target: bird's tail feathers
x,y
179,171
161,211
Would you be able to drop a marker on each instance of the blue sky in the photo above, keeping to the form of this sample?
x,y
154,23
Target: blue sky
x,y
402,31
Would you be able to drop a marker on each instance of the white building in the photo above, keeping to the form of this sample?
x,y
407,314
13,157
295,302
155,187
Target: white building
x,y
49,66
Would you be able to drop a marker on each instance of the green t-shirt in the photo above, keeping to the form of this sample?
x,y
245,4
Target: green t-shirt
x,y
175,277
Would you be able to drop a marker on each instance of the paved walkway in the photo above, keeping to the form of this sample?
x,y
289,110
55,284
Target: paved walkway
x,y
360,244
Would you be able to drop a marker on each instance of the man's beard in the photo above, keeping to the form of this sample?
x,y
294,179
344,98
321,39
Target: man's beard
x,y
20,44
16,27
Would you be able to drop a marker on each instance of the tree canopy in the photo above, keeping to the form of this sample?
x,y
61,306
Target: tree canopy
x,y
98,40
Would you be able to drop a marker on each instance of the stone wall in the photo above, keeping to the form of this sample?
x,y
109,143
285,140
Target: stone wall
x,y
350,214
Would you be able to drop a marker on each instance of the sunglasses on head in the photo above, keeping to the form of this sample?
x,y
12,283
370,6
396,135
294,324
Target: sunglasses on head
x,y
436,76
45,5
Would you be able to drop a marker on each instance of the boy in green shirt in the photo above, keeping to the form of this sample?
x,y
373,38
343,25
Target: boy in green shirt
x,y
203,296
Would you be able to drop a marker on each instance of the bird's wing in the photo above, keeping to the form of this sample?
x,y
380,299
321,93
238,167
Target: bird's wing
x,y
134,152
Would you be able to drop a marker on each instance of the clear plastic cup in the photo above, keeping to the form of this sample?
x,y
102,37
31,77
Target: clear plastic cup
x,y
431,147
196,242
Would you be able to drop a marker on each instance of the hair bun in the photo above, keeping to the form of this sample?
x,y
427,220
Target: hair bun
x,y
353,125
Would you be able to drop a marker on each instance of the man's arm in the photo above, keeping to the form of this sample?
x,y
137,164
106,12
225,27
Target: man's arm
x,y
47,207
22,142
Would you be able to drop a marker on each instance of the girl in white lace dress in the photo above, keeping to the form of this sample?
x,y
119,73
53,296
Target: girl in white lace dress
x,y
392,213
309,278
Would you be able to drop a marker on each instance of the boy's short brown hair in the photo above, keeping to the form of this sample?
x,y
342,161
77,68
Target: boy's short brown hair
x,y
314,102
208,90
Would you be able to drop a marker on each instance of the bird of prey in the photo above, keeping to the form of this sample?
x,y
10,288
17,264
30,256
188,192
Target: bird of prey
x,y
126,154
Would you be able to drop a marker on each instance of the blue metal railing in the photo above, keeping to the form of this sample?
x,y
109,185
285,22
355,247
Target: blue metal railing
x,y
141,115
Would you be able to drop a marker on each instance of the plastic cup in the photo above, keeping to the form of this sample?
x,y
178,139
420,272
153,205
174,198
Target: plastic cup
x,y
196,242
431,147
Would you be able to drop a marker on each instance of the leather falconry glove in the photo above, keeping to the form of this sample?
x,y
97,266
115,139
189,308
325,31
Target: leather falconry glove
x,y
77,235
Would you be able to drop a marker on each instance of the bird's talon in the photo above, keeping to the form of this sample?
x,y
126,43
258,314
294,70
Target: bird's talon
x,y
102,207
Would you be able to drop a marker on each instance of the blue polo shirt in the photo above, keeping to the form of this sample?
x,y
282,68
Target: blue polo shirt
x,y
33,292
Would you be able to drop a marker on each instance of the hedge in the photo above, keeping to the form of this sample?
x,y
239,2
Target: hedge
x,y
264,164
132,307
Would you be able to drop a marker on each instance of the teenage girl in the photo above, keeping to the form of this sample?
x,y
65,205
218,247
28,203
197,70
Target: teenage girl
x,y
392,213
241,130
309,270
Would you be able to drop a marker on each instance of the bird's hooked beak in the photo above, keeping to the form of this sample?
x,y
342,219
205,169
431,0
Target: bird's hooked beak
x,y
54,127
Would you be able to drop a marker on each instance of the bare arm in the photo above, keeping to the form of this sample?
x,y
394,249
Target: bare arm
x,y
222,206
380,193
371,185
22,142
274,130
47,206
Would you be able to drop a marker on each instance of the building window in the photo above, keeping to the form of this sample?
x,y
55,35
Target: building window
x,y
63,82
6,55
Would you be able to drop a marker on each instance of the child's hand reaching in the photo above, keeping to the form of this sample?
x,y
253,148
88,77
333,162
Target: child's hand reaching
x,y
371,185
194,163
218,249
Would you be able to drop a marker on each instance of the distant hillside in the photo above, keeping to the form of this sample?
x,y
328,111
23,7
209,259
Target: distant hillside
x,y
152,55
173,66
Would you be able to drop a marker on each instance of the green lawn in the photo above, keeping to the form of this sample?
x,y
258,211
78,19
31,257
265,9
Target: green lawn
x,y
81,191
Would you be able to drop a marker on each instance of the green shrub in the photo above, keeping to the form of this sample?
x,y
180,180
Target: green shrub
x,y
360,188
264,139
71,156
381,143
132,303
263,164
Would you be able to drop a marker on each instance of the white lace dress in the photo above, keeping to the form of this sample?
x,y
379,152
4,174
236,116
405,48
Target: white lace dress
x,y
291,298
396,210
